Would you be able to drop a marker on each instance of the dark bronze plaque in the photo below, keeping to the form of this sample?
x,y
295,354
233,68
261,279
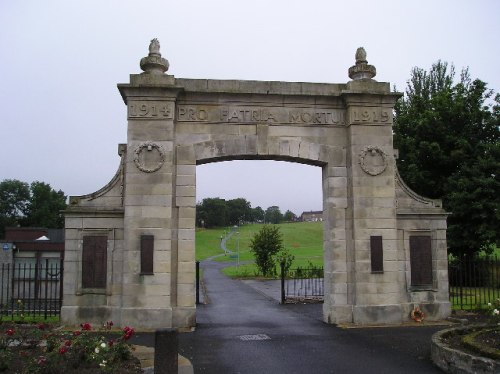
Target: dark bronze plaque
x,y
377,254
94,258
421,260
147,248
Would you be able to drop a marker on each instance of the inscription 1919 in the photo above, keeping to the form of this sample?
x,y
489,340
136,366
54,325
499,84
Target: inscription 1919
x,y
371,115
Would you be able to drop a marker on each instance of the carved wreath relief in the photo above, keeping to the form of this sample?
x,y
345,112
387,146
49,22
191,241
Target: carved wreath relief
x,y
373,160
149,157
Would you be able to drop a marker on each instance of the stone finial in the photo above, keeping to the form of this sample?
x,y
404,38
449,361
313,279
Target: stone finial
x,y
362,70
154,63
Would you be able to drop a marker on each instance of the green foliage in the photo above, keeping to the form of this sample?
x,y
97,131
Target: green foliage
x,y
289,216
45,206
14,198
273,215
212,212
285,258
448,136
30,205
265,245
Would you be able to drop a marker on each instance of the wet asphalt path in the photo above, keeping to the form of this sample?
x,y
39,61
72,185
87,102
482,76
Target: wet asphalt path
x,y
243,331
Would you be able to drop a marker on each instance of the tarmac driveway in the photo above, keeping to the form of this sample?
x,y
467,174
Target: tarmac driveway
x,y
243,330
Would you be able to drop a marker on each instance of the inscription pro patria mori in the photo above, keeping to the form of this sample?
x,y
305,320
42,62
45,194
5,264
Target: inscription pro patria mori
x,y
259,114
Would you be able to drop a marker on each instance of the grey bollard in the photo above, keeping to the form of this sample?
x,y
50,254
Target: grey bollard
x,y
166,347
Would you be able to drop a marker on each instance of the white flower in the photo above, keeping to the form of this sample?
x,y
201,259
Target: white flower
x,y
96,350
496,312
489,304
103,345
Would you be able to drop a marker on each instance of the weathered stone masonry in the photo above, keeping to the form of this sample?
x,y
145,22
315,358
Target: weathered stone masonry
x,y
142,223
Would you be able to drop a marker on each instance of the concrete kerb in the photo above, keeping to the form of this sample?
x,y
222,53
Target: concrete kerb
x,y
455,361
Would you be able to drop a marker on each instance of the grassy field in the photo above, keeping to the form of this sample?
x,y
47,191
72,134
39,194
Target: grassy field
x,y
304,240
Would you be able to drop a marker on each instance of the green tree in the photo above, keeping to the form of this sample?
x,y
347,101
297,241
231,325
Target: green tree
x,y
258,214
45,206
447,134
239,211
212,212
14,198
289,216
273,215
265,244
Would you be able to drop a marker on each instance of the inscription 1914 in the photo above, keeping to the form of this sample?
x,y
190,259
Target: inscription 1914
x,y
149,110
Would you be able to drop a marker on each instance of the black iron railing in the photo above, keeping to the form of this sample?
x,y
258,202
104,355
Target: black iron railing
x,y
28,289
302,285
474,282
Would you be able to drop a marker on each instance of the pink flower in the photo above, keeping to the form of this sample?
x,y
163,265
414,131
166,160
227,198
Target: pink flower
x,y
10,332
76,333
67,343
63,350
42,361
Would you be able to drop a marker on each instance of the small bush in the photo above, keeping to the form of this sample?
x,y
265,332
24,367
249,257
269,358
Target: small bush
x,y
265,244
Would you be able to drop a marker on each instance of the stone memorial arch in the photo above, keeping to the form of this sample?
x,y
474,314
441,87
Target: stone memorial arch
x,y
130,247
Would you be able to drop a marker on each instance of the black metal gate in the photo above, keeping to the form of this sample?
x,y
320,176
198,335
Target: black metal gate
x,y
302,285
31,289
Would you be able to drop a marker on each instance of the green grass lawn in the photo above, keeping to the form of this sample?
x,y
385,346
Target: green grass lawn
x,y
304,240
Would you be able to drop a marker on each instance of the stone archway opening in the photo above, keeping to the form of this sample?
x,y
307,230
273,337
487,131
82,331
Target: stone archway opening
x,y
266,185
385,246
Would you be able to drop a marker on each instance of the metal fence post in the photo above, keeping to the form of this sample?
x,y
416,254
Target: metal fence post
x,y
283,297
197,282
166,347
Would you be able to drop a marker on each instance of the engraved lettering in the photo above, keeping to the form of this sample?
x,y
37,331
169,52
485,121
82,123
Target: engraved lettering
x,y
149,109
365,116
223,114
202,115
165,111
234,116
374,115
191,113
132,112
306,117
294,117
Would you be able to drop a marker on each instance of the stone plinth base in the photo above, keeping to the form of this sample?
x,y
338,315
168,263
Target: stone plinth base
x,y
138,318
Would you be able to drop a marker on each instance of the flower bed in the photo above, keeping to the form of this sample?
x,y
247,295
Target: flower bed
x,y
44,349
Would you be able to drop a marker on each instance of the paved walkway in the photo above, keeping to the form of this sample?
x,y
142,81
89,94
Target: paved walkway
x,y
244,330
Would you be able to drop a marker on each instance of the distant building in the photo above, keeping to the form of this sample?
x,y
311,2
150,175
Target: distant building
x,y
35,245
312,216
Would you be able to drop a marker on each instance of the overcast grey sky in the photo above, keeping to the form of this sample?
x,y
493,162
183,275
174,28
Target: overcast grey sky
x,y
62,116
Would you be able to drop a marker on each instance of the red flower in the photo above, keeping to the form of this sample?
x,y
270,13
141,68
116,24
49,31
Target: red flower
x,y
10,332
86,326
76,333
111,342
128,332
63,350
67,343
41,326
